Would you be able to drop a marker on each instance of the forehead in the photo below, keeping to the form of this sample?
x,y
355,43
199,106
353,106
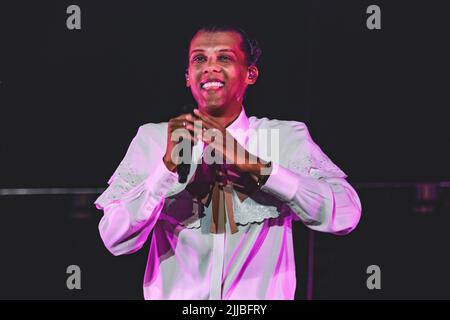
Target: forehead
x,y
215,41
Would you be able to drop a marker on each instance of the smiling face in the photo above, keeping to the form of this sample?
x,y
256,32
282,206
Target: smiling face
x,y
218,74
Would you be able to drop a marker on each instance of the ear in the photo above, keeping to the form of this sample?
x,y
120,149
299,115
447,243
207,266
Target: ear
x,y
252,75
186,76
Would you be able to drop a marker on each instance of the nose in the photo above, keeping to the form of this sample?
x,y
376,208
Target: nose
x,y
211,67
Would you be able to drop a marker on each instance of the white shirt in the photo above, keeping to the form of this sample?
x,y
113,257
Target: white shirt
x,y
186,261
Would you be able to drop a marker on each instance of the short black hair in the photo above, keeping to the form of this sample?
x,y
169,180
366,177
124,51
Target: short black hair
x,y
249,45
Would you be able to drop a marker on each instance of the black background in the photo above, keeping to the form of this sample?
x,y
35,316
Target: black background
x,y
374,100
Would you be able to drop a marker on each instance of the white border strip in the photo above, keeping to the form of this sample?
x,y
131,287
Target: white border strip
x,y
68,191
48,191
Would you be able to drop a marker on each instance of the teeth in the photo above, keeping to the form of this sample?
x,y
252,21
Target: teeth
x,y
212,84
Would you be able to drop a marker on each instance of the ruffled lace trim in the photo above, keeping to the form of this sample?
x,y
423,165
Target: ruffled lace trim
x,y
319,167
128,179
251,212
248,211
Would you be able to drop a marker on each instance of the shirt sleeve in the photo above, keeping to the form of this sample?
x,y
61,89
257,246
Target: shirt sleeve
x,y
136,193
312,185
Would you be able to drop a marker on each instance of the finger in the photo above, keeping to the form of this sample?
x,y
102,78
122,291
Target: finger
x,y
206,123
184,121
199,128
184,116
188,117
191,138
182,132
212,135
199,123
184,137
181,124
206,119
198,132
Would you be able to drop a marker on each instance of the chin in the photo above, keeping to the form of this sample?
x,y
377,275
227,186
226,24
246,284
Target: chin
x,y
214,109
214,105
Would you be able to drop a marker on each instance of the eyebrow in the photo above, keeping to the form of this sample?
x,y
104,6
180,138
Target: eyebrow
x,y
221,50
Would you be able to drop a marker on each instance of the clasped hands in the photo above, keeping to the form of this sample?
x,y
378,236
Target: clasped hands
x,y
201,126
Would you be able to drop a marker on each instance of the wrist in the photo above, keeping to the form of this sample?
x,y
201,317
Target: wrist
x,y
261,172
169,164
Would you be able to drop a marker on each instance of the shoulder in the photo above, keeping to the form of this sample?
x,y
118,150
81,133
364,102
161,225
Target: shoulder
x,y
153,128
152,131
286,128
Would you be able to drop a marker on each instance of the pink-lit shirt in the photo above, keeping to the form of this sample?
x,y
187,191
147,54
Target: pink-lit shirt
x,y
185,260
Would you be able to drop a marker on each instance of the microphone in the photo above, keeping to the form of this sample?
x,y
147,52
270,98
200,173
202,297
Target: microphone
x,y
183,168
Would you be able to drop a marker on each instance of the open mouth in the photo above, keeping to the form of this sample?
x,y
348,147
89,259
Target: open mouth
x,y
212,85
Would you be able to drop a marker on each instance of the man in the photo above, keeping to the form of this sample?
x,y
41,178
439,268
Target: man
x,y
226,232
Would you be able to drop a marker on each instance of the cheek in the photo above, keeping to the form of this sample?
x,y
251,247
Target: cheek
x,y
235,75
194,74
238,81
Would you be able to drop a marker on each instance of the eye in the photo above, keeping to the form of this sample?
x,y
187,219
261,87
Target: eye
x,y
224,58
199,58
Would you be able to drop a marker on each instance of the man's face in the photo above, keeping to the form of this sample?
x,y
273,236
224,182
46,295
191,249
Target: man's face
x,y
218,71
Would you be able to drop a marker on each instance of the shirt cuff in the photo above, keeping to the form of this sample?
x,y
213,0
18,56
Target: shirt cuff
x,y
161,180
282,182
